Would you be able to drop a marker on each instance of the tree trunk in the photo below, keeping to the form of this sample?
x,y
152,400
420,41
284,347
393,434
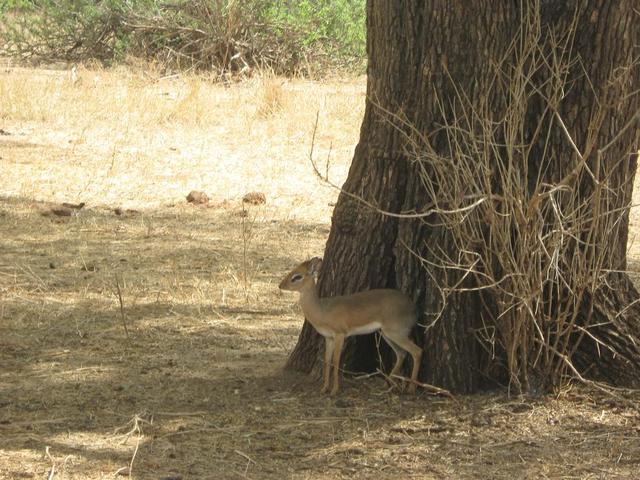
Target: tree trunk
x,y
417,49
615,358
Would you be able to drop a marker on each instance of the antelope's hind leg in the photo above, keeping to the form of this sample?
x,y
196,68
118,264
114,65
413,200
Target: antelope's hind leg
x,y
401,354
403,342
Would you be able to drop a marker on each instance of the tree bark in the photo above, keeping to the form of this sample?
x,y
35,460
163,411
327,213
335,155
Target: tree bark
x,y
416,48
615,357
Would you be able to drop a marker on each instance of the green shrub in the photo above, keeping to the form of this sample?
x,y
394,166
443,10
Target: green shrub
x,y
63,30
226,35
338,24
14,5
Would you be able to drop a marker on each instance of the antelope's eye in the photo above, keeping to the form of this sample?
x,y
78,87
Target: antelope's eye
x,y
296,278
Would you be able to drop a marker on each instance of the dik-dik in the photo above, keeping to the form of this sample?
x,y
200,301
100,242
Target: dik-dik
x,y
336,318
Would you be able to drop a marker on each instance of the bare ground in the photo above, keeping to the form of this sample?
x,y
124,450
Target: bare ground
x,y
151,343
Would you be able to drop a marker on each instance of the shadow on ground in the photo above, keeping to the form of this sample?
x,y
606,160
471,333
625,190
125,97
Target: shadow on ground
x,y
156,341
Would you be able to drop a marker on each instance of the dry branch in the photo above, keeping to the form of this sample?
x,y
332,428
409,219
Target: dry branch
x,y
123,317
541,244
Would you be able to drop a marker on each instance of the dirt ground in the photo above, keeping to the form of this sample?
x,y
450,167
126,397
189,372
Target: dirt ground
x,y
149,342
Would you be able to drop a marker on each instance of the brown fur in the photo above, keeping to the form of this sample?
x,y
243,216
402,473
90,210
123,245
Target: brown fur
x,y
336,318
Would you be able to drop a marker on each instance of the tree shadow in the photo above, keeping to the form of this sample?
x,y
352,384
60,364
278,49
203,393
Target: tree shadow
x,y
200,370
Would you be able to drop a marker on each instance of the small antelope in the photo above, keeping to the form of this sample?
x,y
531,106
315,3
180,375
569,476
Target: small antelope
x,y
336,318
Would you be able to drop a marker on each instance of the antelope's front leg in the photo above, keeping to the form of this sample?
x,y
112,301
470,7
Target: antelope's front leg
x,y
337,352
329,345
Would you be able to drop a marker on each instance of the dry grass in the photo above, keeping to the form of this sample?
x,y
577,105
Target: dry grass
x,y
197,389
136,139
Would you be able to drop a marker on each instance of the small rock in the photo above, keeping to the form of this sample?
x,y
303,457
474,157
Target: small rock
x,y
52,265
74,206
255,198
395,440
128,212
344,403
61,211
16,474
478,421
520,407
354,451
197,198
552,421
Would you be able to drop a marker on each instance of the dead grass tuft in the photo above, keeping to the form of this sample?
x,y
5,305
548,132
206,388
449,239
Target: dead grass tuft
x,y
271,96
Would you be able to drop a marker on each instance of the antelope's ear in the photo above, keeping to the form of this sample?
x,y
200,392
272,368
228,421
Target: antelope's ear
x,y
314,266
